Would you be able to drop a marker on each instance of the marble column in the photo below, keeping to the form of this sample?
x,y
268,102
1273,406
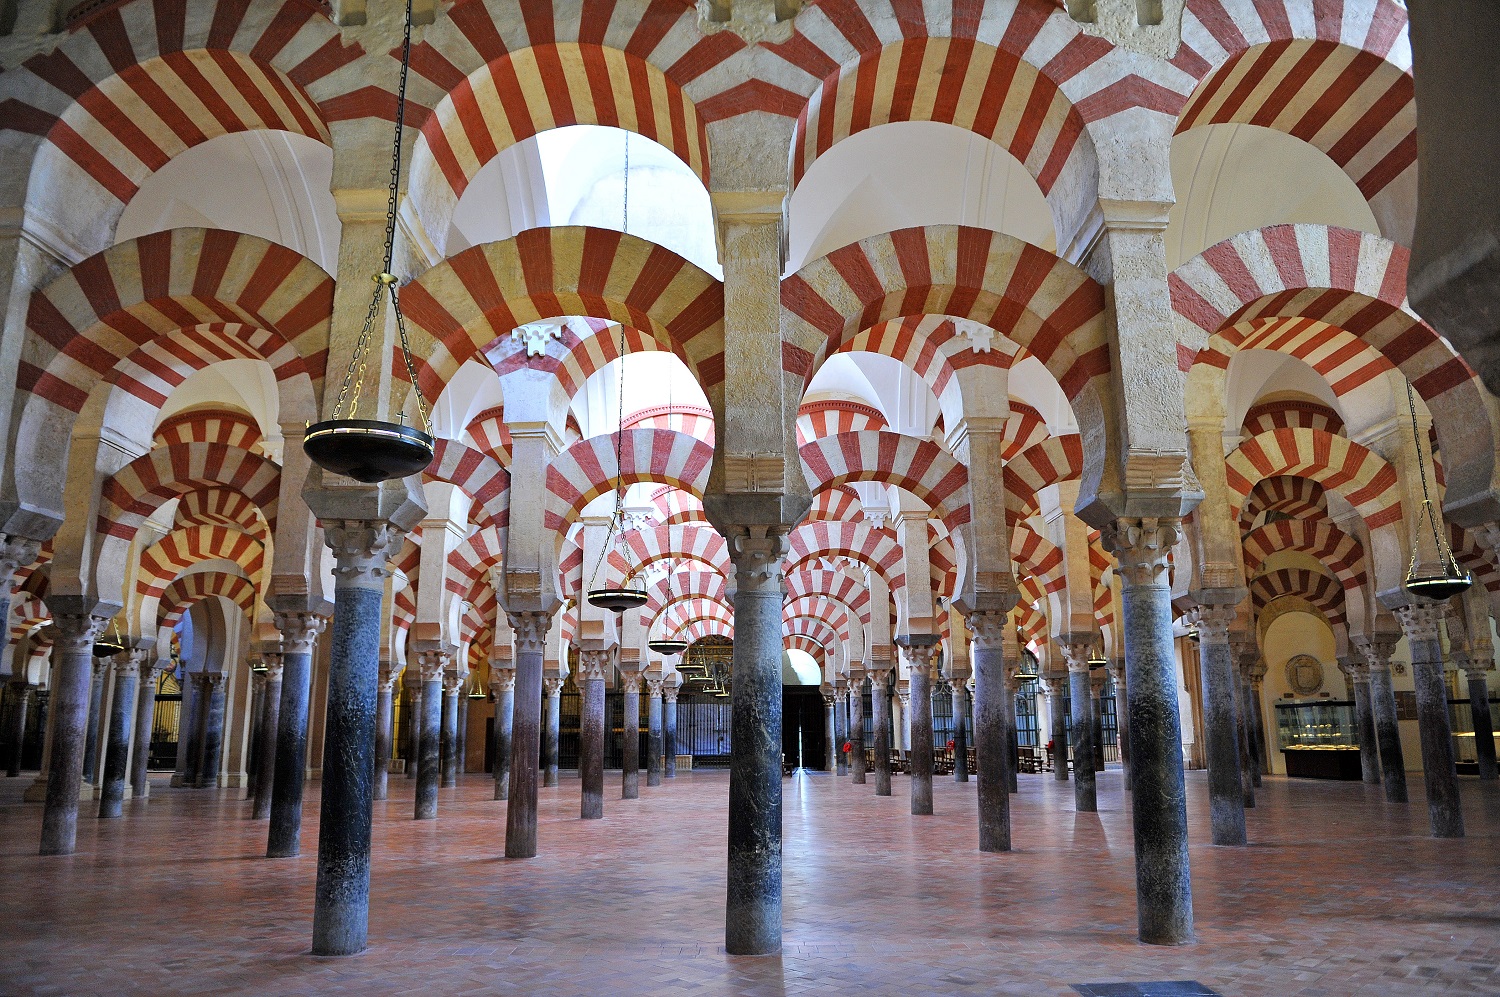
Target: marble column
x,y
414,727
1244,650
197,724
1122,718
341,898
857,729
385,690
1248,705
430,665
752,917
121,725
503,685
299,632
1164,893
991,752
670,688
1476,668
591,668
554,731
653,730
270,722
960,730
1057,714
453,688
840,732
530,645
145,720
72,677
15,733
257,724
187,719
1221,724
830,724
91,734
921,651
1420,620
1085,789
1377,651
461,735
630,736
1364,721
213,729
880,716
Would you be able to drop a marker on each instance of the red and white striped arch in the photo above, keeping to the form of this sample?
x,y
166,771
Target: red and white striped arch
x,y
1358,474
1352,105
1214,30
1023,429
187,590
1041,303
818,607
677,506
699,629
688,542
1039,557
820,632
228,426
220,507
491,436
137,489
26,612
679,584
1319,538
181,549
694,420
1324,592
685,613
146,313
838,586
994,92
471,300
479,476
587,469
1291,413
1473,556
915,465
1300,498
1054,459
876,547
1100,567
837,504
830,417
472,559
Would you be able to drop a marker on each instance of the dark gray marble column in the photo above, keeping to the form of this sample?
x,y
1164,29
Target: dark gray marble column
x,y
384,726
857,728
299,632
553,732
1164,893
1221,724
270,723
257,716
991,752
72,677
1248,705
1364,722
145,719
15,733
1122,718
669,726
1085,787
880,716
1012,735
653,731
414,725
341,899
461,736
1479,709
91,733
1057,719
840,731
503,685
831,725
448,739
526,731
752,916
1420,620
1245,649
592,666
192,773
121,726
430,666
213,730
630,735
1377,651
960,730
184,771
920,651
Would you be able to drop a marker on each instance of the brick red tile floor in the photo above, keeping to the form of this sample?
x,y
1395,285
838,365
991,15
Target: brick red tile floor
x,y
1338,894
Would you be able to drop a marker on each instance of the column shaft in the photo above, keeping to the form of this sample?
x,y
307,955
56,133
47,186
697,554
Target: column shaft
x,y
270,722
1388,732
1364,718
430,751
1439,771
213,731
384,725
414,732
669,733
554,733
121,725
526,735
72,679
1058,714
921,730
653,735
960,731
448,745
591,749
1221,726
991,751
91,734
505,708
15,735
1085,789
630,734
857,731
1484,734
880,703
461,735
298,632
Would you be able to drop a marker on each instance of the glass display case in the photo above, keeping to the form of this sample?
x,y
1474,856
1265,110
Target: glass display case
x,y
1319,739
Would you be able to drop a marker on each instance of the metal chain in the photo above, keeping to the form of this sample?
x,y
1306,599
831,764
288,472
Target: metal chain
x,y
385,281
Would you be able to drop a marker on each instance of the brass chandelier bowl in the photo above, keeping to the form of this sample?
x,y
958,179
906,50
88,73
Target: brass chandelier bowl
x,y
368,450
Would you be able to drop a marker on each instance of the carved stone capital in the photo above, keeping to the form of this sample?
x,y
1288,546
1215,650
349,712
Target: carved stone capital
x,y
669,694
553,687
453,683
593,666
1076,654
16,552
653,686
431,664
531,628
131,661
986,628
921,652
361,550
1420,619
1140,546
1377,650
757,552
212,680
299,631
274,665
75,632
1214,622
504,679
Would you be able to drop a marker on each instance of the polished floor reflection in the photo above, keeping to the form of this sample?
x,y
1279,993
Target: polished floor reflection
x,y
1338,894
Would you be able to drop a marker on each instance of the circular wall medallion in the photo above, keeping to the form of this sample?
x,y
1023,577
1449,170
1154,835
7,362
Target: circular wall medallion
x,y
1304,674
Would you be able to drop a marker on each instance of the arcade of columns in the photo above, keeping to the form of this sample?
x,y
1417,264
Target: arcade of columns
x,y
1003,531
